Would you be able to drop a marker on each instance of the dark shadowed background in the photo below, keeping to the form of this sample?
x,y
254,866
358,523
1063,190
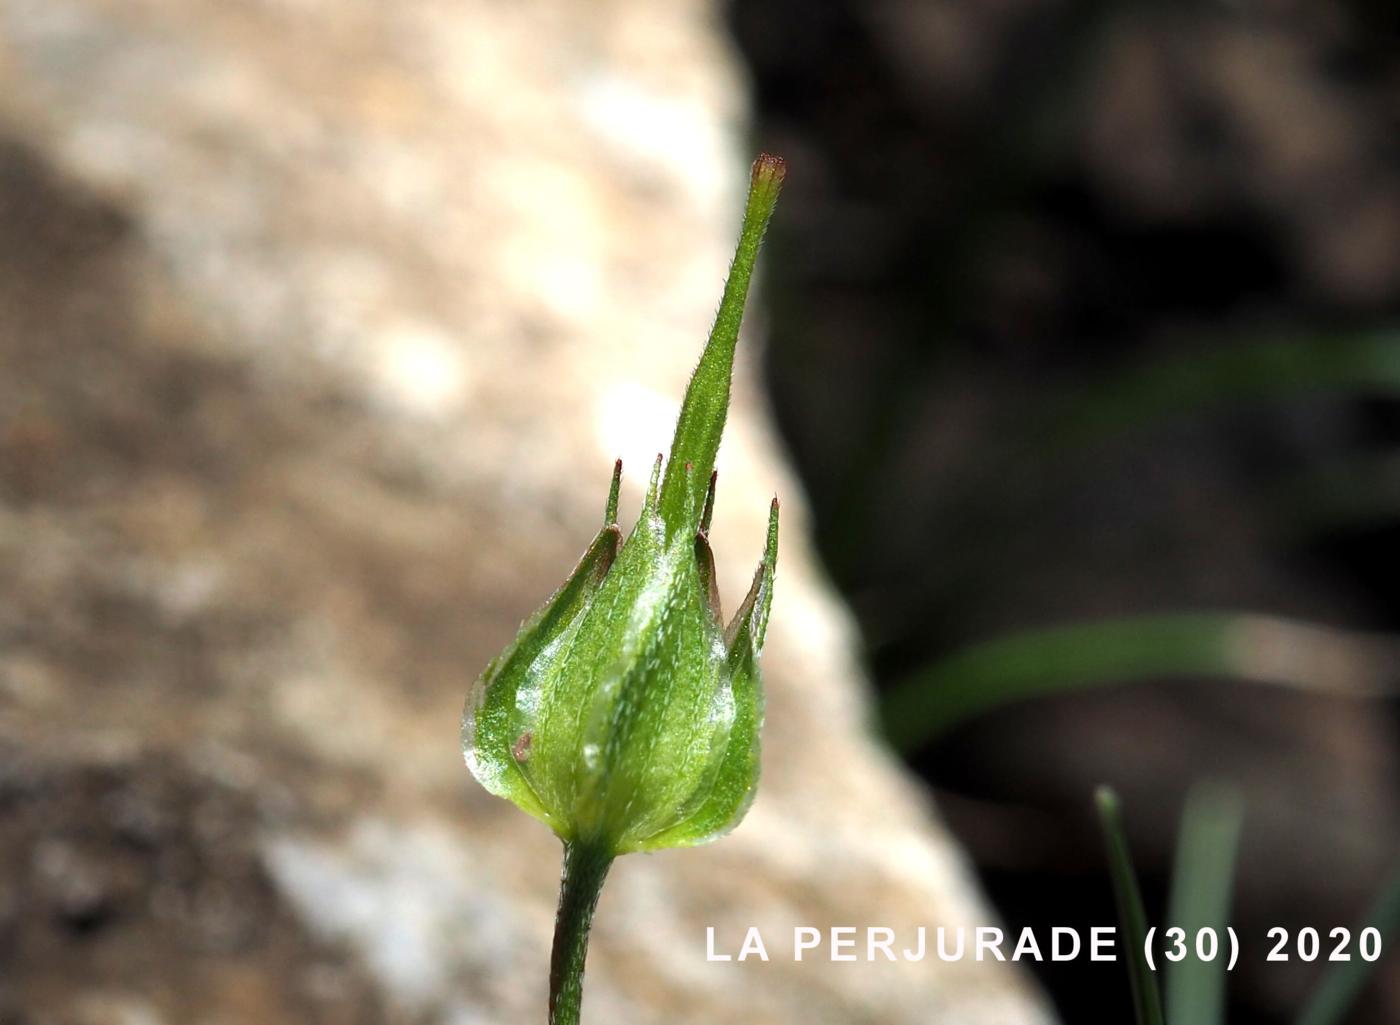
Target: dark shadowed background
x,y
1085,314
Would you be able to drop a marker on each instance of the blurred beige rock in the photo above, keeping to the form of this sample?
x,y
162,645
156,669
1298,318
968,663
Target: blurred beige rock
x,y
320,325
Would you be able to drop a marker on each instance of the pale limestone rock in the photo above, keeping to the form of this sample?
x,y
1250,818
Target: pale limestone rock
x,y
323,323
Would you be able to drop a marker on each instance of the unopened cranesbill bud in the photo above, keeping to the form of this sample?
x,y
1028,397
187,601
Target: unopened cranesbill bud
x,y
626,713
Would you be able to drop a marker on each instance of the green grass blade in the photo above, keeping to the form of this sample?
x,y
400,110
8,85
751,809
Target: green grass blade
x,y
1147,1001
1229,373
1080,656
1341,986
1032,663
1200,899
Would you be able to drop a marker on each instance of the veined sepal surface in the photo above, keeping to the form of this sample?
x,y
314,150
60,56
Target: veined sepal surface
x,y
626,712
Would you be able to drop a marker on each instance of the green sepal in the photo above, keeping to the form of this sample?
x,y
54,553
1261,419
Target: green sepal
x,y
750,623
705,567
731,783
496,734
622,709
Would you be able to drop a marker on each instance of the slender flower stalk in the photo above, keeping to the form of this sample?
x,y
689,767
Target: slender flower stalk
x,y
626,714
585,869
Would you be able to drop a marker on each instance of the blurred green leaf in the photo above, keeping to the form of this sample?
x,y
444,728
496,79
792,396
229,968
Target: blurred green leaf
x,y
1053,660
1341,986
1048,661
1229,373
1200,899
1346,493
1147,1001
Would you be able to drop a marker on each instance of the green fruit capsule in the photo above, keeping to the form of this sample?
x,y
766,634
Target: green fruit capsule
x,y
626,713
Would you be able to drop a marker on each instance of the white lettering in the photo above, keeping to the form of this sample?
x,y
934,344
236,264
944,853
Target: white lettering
x,y
1057,951
886,944
1027,946
838,943
943,954
989,937
710,954
753,945
909,955
1101,943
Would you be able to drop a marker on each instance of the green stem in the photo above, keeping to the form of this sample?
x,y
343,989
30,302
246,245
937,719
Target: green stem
x,y
585,867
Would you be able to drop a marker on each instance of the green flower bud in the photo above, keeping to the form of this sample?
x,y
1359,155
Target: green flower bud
x,y
626,713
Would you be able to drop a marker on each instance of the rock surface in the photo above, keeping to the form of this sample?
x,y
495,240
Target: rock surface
x,y
321,325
